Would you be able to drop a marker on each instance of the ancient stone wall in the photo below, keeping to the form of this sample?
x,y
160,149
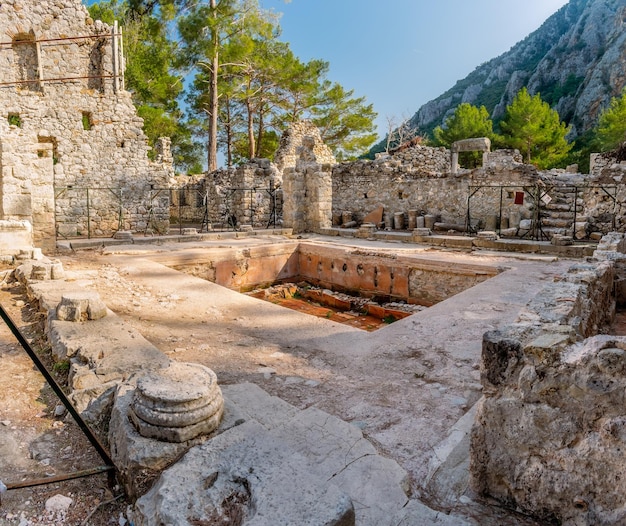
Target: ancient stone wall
x,y
249,194
420,179
287,153
259,193
307,191
67,125
549,433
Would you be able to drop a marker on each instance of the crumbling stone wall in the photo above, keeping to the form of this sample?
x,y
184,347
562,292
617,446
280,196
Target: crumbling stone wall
x,y
287,154
67,125
254,193
307,190
420,178
549,434
249,194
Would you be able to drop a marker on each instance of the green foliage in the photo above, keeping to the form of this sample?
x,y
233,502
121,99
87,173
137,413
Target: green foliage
x,y
61,367
611,129
467,121
531,126
262,86
86,121
552,93
346,123
14,120
149,74
582,148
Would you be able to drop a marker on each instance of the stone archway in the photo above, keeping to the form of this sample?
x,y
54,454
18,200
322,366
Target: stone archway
x,y
478,144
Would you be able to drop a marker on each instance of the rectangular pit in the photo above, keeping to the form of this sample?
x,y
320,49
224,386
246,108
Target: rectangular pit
x,y
382,275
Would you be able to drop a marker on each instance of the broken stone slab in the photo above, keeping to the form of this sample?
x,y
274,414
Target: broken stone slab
x,y
487,234
336,450
189,231
124,235
245,472
375,216
80,306
177,403
561,240
416,513
448,468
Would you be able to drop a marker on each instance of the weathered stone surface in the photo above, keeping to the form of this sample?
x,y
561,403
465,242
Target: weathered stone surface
x,y
69,135
177,403
320,471
15,235
230,474
81,306
554,406
140,459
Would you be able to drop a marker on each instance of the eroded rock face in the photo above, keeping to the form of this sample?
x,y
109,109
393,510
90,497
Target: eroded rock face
x,y
549,437
177,403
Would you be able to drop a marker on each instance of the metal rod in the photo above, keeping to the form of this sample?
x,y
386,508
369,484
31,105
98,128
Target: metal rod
x,y
85,37
58,478
104,455
575,208
88,218
41,81
500,212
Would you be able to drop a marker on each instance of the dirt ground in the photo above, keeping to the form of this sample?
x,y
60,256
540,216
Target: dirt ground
x,y
34,443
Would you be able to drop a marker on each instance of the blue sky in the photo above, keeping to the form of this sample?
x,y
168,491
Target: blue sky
x,y
400,54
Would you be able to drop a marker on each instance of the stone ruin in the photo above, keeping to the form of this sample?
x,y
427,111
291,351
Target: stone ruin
x,y
72,150
549,435
73,158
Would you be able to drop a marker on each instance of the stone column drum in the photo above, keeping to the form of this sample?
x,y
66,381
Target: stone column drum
x,y
177,403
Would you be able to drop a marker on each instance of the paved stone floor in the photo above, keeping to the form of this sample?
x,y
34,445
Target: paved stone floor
x,y
409,386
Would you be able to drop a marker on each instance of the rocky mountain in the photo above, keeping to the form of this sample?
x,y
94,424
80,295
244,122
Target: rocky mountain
x,y
576,60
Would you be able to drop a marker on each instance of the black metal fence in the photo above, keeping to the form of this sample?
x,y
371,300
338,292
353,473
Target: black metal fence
x,y
87,212
576,210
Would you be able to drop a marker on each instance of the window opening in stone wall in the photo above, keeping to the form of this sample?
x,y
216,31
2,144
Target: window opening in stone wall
x,y
15,120
48,147
26,62
96,66
87,120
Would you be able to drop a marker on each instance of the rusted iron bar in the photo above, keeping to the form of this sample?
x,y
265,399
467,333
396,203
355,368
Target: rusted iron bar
x,y
58,478
59,79
104,455
61,39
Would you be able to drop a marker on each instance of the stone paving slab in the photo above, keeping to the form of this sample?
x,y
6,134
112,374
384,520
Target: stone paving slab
x,y
244,473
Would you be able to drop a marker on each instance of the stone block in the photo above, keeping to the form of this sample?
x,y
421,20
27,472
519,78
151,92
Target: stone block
x,y
80,306
124,235
561,240
375,216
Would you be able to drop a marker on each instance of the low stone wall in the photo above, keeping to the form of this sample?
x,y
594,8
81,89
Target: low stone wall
x,y
549,433
370,274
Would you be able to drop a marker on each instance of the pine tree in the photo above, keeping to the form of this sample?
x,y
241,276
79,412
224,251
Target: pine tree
x,y
531,126
611,129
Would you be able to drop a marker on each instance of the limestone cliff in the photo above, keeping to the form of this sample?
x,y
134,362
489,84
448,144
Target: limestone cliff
x,y
576,60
